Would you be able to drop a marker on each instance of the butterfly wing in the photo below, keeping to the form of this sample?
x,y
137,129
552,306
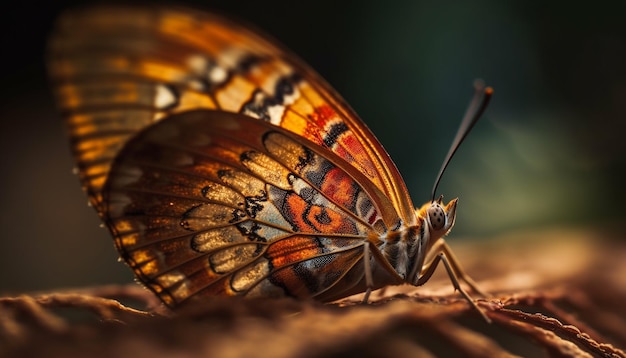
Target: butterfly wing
x,y
117,70
218,203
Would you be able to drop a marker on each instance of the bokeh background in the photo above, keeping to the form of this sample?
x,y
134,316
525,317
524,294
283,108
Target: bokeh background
x,y
548,153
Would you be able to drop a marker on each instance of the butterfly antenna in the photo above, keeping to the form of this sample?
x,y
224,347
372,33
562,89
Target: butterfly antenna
x,y
477,106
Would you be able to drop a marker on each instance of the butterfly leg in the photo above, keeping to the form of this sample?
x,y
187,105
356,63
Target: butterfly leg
x,y
454,272
442,247
369,282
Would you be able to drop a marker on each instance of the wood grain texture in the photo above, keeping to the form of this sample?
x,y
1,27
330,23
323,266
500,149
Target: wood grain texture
x,y
553,293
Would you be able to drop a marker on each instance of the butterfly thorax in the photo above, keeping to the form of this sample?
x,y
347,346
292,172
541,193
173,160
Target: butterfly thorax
x,y
406,249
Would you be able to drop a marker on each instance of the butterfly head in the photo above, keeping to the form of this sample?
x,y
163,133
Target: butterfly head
x,y
438,217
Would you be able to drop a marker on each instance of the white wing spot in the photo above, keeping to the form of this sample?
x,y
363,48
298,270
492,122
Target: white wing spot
x,y
164,97
217,75
290,99
276,113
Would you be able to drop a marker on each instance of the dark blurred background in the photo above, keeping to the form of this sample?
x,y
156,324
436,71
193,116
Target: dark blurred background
x,y
548,153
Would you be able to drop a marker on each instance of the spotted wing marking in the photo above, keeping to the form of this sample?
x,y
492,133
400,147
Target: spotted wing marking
x,y
119,69
207,203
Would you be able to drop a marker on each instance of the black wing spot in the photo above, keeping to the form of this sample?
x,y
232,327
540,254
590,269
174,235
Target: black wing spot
x,y
238,215
335,131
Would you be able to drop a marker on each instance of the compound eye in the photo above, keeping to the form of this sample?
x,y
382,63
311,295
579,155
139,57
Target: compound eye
x,y
437,216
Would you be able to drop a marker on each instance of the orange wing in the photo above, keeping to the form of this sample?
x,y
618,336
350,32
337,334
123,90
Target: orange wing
x,y
117,70
210,203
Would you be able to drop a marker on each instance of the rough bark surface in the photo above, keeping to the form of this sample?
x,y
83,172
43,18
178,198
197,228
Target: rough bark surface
x,y
557,294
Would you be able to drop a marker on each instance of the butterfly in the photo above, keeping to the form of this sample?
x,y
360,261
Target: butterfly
x,y
223,165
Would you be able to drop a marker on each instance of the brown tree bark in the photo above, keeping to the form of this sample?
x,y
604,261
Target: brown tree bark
x,y
557,293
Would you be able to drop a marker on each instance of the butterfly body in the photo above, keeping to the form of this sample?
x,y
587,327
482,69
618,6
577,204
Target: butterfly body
x,y
223,165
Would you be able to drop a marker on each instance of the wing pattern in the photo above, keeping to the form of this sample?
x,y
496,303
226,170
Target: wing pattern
x,y
223,165
210,202
120,69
